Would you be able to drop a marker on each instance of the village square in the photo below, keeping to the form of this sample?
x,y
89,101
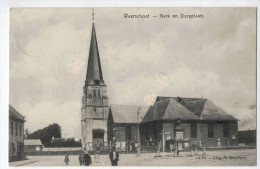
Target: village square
x,y
170,130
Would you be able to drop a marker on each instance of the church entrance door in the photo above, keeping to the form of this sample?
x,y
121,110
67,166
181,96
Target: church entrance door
x,y
98,138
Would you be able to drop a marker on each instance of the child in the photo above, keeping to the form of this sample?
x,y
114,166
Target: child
x,y
67,160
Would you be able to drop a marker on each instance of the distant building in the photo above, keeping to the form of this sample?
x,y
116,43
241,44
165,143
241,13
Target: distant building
x,y
16,135
247,138
32,145
122,125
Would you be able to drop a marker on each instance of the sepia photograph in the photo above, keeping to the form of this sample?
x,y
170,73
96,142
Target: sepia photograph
x,y
121,86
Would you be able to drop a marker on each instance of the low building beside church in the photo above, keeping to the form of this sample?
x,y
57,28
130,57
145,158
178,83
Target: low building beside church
x,y
191,121
182,122
122,125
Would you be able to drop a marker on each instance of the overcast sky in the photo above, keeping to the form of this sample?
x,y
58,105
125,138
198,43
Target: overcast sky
x,y
213,57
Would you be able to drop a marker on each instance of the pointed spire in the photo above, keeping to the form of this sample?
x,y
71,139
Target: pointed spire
x,y
94,72
93,15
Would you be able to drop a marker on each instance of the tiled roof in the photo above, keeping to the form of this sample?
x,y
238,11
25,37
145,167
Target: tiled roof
x,y
213,112
168,109
194,105
177,111
202,108
32,142
149,115
15,114
127,113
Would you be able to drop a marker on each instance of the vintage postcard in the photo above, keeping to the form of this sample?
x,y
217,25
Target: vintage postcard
x,y
132,86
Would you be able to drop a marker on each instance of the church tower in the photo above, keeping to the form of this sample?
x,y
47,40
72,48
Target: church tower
x,y
94,111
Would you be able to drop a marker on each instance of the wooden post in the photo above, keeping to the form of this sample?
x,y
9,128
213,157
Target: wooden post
x,y
163,143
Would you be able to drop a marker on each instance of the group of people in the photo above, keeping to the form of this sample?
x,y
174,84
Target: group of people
x,y
85,159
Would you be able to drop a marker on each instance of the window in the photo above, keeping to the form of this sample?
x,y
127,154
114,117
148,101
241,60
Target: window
x,y
155,134
98,93
210,130
12,128
94,93
225,130
146,136
193,130
20,130
95,109
16,129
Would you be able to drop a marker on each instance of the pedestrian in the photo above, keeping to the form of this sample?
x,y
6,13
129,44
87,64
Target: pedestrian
x,y
86,159
97,153
81,158
114,157
67,159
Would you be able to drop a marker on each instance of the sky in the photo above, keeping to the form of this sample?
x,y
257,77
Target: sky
x,y
212,57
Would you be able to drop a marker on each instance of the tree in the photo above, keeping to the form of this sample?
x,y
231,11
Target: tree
x,y
46,134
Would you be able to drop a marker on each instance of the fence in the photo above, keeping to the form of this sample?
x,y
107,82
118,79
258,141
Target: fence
x,y
63,151
148,148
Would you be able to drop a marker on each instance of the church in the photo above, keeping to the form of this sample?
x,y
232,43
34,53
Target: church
x,y
94,111
185,122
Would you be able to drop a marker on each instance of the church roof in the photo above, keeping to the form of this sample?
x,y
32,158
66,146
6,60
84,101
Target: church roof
x,y
94,71
15,114
127,113
202,108
168,109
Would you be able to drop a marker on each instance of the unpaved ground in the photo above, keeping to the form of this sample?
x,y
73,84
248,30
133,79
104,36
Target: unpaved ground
x,y
149,159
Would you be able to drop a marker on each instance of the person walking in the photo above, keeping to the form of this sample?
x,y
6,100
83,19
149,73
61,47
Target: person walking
x,y
86,159
67,160
97,153
114,157
81,158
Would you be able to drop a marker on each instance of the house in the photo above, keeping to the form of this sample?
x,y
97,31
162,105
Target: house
x,y
32,145
247,138
123,123
190,121
16,134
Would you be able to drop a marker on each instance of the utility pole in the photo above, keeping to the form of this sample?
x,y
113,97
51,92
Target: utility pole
x,y
138,132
